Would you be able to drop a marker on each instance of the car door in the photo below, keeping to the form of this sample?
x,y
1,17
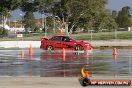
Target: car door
x,y
67,43
56,42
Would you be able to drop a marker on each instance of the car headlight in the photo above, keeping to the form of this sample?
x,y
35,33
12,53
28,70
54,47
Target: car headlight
x,y
87,44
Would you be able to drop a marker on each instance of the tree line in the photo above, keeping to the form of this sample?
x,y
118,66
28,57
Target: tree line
x,y
76,14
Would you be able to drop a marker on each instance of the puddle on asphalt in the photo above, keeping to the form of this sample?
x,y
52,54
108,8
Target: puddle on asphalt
x,y
58,64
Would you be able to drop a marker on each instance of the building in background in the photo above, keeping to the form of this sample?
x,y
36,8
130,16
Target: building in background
x,y
18,26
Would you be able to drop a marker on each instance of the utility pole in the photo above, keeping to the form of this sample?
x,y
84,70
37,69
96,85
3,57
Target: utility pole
x,y
115,34
21,20
54,24
42,21
91,33
45,26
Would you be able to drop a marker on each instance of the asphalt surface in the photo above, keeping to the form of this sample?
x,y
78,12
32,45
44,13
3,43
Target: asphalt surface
x,y
52,82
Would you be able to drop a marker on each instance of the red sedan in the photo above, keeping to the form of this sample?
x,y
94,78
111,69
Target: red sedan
x,y
60,42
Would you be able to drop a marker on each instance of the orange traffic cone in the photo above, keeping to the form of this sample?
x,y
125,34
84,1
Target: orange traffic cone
x,y
114,52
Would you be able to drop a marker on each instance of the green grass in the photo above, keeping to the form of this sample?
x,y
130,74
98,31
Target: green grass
x,y
27,37
82,36
105,36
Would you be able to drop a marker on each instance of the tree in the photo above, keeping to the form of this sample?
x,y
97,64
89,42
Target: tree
x,y
114,14
89,14
6,6
86,14
124,17
107,22
29,21
29,6
44,6
55,10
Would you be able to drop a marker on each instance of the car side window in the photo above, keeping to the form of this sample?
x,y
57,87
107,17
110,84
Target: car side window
x,y
65,39
56,38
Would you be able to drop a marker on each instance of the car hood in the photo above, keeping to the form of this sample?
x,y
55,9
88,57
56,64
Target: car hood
x,y
82,42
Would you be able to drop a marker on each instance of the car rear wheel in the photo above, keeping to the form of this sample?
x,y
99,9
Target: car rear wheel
x,y
49,48
79,48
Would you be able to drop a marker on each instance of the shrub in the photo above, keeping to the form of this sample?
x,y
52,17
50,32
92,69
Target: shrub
x,y
3,32
37,29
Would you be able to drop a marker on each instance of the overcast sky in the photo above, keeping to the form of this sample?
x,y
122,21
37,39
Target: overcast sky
x,y
112,5
118,4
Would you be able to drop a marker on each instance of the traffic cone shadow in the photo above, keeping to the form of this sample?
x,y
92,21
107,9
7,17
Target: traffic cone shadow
x,y
30,52
22,54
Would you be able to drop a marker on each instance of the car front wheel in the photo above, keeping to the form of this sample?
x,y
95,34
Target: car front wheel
x,y
49,48
79,48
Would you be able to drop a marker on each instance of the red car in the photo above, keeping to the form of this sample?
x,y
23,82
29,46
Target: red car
x,y
60,42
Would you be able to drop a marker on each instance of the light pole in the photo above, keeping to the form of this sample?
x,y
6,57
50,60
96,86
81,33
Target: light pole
x,y
115,34
91,35
44,24
21,20
54,25
42,21
15,23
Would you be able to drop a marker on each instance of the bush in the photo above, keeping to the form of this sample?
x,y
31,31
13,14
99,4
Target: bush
x,y
3,32
37,29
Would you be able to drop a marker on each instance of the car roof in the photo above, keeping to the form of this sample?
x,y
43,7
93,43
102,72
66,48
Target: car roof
x,y
60,36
